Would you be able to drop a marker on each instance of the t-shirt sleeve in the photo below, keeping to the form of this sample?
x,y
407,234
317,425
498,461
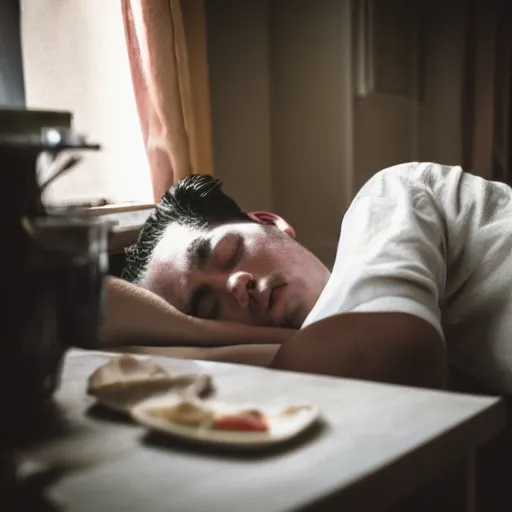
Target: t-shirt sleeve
x,y
391,254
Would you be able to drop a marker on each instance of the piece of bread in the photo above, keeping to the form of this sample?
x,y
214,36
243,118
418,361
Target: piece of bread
x,y
125,381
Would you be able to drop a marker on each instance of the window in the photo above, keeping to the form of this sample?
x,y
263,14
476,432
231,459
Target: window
x,y
75,58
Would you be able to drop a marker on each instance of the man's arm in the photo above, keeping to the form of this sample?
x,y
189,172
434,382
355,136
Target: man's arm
x,y
255,355
379,316
389,347
135,316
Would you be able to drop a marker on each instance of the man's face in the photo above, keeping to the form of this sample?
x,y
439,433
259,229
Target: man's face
x,y
243,272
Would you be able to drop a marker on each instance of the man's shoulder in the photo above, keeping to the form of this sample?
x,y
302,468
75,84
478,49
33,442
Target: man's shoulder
x,y
410,178
390,180
420,172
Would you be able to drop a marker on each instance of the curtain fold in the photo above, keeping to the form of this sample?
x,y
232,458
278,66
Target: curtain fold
x,y
166,41
487,91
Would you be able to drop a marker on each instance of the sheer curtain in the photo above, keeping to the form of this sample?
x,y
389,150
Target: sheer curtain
x,y
166,42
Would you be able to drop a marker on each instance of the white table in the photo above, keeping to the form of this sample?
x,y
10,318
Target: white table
x,y
379,444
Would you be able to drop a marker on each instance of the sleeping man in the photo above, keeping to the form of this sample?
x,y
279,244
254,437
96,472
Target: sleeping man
x,y
422,279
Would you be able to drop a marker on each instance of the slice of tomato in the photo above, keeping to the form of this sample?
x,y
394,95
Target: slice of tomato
x,y
252,421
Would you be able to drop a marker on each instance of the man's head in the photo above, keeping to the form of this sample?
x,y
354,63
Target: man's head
x,y
204,255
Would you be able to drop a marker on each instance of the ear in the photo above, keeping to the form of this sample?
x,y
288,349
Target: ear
x,y
273,219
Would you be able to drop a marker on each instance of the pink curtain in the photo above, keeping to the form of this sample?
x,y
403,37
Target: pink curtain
x,y
166,42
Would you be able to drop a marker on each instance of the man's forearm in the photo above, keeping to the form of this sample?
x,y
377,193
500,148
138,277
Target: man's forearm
x,y
255,355
135,316
387,347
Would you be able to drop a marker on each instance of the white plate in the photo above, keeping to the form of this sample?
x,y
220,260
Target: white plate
x,y
282,427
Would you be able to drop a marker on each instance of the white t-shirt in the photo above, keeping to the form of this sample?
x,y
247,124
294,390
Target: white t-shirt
x,y
435,242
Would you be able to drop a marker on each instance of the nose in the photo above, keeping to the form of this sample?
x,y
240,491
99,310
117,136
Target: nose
x,y
239,285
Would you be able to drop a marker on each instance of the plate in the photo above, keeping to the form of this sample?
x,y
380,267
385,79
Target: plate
x,y
285,423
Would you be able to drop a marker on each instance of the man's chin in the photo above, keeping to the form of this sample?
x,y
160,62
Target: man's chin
x,y
293,319
284,323
288,324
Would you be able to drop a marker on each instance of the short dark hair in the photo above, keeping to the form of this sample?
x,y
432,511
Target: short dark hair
x,y
197,201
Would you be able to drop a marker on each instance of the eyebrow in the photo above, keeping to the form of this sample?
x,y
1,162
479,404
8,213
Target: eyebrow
x,y
199,252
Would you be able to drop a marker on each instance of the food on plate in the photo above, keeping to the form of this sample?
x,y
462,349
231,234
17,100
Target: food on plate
x,y
224,424
173,405
294,410
125,381
197,414
126,369
247,421
184,413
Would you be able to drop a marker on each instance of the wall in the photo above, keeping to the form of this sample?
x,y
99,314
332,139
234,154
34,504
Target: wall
x,y
75,58
385,104
425,125
280,85
12,92
311,106
440,115
291,133
384,134
238,52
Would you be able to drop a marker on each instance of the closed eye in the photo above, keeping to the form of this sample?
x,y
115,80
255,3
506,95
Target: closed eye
x,y
203,304
196,300
208,308
212,313
236,255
